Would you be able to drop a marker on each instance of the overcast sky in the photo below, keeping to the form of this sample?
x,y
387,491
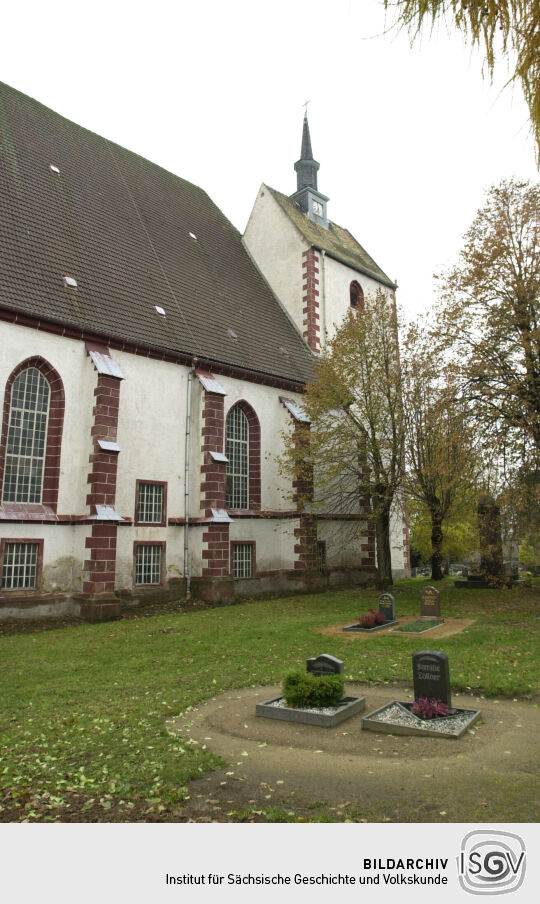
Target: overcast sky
x,y
407,139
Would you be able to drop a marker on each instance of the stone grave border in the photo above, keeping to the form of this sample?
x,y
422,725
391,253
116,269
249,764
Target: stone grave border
x,y
358,627
347,707
423,730
429,627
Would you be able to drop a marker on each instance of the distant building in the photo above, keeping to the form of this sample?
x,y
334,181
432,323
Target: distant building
x,y
149,366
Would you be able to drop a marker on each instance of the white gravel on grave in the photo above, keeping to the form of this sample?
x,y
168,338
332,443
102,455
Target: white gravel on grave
x,y
326,710
399,715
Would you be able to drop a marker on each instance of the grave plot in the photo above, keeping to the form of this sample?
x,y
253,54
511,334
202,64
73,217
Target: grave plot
x,y
417,627
432,713
385,617
430,613
303,698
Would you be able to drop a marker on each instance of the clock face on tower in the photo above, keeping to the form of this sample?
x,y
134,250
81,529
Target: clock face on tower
x,y
317,208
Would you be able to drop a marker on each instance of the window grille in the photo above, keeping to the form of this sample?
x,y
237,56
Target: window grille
x,y
27,437
237,451
148,564
242,560
19,566
150,508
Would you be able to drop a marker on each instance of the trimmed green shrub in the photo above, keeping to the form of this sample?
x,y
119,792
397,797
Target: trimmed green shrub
x,y
305,689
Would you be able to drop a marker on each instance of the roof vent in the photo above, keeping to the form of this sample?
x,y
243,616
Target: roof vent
x,y
283,351
232,335
159,310
70,282
193,236
53,168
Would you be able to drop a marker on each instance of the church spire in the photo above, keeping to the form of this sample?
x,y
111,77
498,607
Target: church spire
x,y
306,153
307,196
306,168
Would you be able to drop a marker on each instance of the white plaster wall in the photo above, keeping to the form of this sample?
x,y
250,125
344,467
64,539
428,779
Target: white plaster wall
x,y
397,523
63,552
126,536
274,541
335,279
196,441
276,247
343,542
276,491
151,435
70,360
151,430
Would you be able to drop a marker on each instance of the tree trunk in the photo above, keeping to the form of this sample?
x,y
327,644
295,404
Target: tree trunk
x,y
384,559
436,544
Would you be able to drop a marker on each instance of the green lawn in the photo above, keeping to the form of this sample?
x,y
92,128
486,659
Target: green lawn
x,y
82,718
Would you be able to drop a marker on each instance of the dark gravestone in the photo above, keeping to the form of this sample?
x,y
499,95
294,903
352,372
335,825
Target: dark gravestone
x,y
324,665
387,606
430,604
431,676
489,529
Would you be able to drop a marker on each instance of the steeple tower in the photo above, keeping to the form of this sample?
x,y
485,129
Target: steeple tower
x,y
306,168
307,196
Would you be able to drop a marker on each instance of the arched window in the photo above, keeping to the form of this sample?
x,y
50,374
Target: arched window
x,y
31,434
243,450
356,294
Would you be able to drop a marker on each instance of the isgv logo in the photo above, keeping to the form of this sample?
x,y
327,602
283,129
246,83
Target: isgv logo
x,y
491,862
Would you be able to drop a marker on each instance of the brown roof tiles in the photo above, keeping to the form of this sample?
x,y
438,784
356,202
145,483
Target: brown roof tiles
x,y
123,228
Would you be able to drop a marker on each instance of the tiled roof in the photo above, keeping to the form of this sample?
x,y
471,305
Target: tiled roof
x,y
336,241
133,236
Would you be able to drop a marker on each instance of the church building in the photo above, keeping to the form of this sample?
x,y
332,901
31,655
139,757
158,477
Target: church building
x,y
151,360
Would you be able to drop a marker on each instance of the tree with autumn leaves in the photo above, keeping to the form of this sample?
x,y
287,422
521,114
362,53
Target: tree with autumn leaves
x,y
488,325
354,444
443,463
452,414
489,317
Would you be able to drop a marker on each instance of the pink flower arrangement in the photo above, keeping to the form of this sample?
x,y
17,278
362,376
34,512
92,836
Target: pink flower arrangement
x,y
429,709
372,619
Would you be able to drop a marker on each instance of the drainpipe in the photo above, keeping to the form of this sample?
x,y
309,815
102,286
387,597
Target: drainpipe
x,y
186,482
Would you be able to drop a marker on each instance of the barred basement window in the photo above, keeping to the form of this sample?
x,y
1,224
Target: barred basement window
x,y
150,503
27,437
148,564
237,451
20,566
242,560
